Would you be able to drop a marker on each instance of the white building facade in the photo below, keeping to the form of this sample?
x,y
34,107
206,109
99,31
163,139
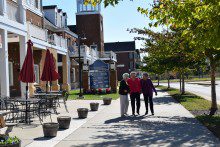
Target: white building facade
x,y
21,20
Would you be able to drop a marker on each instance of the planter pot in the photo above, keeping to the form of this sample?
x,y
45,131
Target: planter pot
x,y
107,101
94,106
12,145
50,129
64,122
82,112
5,138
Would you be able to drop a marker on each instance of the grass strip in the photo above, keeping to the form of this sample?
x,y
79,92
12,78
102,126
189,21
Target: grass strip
x,y
197,106
74,95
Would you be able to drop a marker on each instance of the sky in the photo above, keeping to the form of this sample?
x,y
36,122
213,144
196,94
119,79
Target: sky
x,y
116,20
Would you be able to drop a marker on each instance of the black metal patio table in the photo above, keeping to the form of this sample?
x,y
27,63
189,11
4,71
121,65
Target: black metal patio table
x,y
28,103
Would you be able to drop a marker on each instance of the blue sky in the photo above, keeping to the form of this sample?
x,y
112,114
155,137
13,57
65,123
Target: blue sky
x,y
116,19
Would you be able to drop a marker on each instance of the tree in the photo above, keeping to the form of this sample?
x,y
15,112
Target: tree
x,y
168,51
201,23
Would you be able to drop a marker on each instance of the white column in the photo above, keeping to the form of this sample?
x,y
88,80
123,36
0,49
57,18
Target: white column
x,y
23,51
4,74
22,12
3,7
68,68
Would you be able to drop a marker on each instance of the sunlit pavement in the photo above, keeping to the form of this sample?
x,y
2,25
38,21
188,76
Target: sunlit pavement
x,y
201,90
172,125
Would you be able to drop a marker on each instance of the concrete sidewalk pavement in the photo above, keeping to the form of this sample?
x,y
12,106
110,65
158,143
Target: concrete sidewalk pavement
x,y
172,125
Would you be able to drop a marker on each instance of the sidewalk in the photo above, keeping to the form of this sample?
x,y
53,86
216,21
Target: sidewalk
x,y
172,125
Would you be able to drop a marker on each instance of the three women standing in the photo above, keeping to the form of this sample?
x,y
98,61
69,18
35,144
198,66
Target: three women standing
x,y
135,86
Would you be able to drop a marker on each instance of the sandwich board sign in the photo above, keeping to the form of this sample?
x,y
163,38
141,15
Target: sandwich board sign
x,y
99,75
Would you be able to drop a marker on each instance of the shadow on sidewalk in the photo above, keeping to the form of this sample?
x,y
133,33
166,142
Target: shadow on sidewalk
x,y
126,118
152,130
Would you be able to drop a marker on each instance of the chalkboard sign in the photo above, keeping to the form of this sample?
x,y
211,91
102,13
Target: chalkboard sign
x,y
99,75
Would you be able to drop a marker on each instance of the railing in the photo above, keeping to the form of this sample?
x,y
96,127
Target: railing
x,y
108,56
85,51
94,54
37,32
60,41
13,11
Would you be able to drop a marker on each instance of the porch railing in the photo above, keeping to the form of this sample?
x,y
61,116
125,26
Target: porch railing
x,y
60,41
108,56
37,32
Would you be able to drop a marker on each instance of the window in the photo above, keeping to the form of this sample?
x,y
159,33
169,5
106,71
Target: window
x,y
94,47
73,75
28,2
131,55
36,72
55,18
36,4
10,70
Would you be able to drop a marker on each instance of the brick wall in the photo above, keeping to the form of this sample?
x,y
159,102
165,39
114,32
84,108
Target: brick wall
x,y
90,25
113,80
34,19
123,59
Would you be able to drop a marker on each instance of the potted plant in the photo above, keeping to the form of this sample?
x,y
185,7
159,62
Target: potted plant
x,y
64,122
108,90
82,112
100,90
7,141
94,106
107,101
50,129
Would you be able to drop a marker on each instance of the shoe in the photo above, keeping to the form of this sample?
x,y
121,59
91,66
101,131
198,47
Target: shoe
x,y
133,114
123,115
146,113
138,113
152,113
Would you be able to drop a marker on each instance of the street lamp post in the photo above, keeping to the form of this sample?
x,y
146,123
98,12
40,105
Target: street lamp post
x,y
80,65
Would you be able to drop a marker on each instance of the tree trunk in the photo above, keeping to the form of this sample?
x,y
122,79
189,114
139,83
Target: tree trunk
x,y
180,83
168,80
158,80
214,106
183,84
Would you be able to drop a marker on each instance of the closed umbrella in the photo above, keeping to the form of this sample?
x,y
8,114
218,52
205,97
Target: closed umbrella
x,y
49,72
27,72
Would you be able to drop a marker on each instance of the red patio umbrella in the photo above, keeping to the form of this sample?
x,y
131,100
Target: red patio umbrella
x,y
49,72
27,72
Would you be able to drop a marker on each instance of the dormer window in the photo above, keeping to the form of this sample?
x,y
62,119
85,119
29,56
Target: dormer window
x,y
37,4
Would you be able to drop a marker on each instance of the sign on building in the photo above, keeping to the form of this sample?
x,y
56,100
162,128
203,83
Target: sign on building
x,y
0,41
99,75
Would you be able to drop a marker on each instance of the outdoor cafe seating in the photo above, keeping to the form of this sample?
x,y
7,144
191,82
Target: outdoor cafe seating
x,y
41,105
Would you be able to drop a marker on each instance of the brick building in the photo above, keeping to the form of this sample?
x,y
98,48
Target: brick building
x,y
128,57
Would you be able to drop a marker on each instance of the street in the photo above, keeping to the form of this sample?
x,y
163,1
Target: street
x,y
201,90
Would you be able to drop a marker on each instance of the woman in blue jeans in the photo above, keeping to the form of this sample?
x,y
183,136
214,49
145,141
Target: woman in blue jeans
x,y
147,90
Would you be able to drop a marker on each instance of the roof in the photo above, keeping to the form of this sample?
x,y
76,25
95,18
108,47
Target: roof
x,y
72,28
120,46
59,10
50,7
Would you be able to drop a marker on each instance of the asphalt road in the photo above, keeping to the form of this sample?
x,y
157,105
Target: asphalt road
x,y
201,90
